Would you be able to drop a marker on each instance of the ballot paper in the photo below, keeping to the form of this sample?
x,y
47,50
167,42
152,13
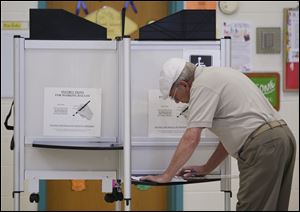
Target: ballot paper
x,y
174,179
177,180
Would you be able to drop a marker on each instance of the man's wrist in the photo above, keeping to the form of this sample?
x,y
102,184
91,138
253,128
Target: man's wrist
x,y
206,168
166,175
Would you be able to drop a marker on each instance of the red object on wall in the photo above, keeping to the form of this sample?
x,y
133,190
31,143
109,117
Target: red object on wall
x,y
292,76
291,49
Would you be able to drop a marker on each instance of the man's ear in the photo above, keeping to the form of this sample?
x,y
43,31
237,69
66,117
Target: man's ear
x,y
183,83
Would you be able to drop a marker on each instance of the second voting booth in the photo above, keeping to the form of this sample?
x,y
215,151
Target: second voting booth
x,y
91,108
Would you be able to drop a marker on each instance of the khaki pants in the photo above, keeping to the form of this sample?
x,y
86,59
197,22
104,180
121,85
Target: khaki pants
x,y
266,165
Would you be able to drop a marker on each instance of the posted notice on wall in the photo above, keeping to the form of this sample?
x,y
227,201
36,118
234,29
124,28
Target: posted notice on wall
x,y
72,112
164,119
240,44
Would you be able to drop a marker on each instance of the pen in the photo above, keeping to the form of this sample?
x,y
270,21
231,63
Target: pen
x,y
183,111
81,108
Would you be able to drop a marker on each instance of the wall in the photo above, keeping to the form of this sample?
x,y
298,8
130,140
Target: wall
x,y
14,20
207,196
11,11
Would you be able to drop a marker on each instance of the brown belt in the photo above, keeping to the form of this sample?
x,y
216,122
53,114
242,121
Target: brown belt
x,y
265,127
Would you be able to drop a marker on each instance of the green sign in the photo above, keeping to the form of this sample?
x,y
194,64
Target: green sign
x,y
268,83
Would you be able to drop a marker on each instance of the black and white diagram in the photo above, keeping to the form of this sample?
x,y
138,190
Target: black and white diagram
x,y
72,111
84,111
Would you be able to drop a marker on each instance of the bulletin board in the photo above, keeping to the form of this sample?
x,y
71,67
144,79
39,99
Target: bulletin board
x,y
291,49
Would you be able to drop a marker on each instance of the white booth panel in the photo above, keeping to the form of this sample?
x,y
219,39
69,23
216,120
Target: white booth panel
x,y
154,160
69,68
153,154
145,67
71,160
147,59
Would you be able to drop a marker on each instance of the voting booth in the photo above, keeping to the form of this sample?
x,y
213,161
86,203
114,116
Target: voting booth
x,y
91,109
66,111
157,125
67,107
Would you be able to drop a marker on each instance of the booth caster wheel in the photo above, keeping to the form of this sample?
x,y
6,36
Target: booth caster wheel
x,y
34,197
114,196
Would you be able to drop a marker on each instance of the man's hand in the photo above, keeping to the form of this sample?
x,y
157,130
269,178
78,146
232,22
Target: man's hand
x,y
184,151
217,157
189,171
164,178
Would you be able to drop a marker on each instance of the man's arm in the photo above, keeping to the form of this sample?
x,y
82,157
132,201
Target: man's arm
x,y
184,151
215,159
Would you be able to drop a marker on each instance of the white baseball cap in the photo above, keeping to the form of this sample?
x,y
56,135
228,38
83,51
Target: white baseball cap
x,y
171,70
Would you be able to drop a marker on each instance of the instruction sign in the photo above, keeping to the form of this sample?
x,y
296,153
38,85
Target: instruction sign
x,y
165,116
72,112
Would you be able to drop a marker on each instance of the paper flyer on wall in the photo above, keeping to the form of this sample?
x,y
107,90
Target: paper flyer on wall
x,y
72,112
163,120
240,44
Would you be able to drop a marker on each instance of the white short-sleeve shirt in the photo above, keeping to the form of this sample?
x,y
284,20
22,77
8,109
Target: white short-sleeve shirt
x,y
228,103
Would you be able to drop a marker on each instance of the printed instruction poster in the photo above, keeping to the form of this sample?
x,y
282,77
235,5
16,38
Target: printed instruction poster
x,y
72,112
164,119
240,44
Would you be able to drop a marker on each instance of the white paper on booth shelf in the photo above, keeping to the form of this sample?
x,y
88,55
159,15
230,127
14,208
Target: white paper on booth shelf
x,y
72,112
163,120
174,179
